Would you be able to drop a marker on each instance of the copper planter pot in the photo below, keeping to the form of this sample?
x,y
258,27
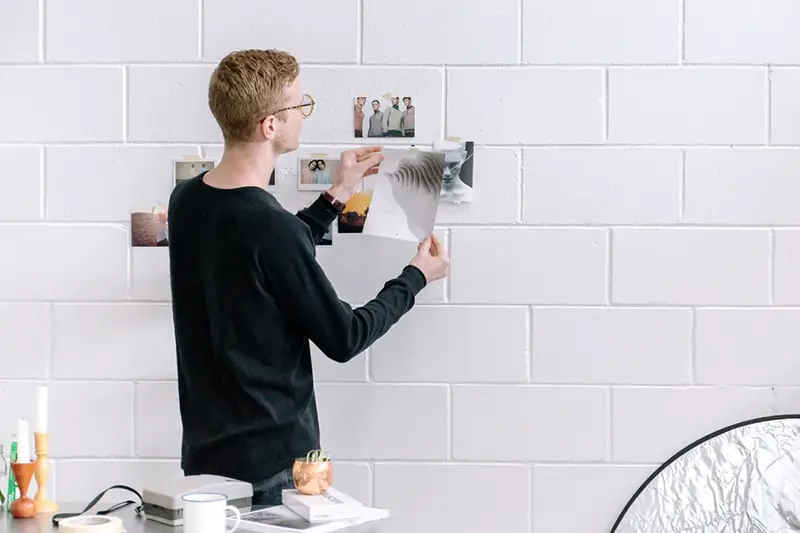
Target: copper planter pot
x,y
312,477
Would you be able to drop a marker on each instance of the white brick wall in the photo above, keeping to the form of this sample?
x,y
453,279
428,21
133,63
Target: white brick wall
x,y
626,281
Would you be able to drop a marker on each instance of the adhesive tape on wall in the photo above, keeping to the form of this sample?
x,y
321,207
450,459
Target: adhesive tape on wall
x,y
91,524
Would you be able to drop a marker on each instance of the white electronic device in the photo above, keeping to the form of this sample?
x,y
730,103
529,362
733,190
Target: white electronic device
x,y
163,501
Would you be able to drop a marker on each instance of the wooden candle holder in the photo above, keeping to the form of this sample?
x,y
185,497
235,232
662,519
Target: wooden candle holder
x,y
42,474
24,507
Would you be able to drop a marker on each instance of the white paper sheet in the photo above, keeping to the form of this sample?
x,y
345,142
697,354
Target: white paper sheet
x,y
406,197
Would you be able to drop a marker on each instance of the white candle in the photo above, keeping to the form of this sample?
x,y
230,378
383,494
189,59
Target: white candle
x,y
23,442
41,409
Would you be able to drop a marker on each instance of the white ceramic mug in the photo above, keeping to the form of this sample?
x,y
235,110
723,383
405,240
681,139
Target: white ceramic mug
x,y
206,512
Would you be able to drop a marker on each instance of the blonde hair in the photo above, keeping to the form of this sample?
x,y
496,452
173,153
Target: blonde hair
x,y
247,86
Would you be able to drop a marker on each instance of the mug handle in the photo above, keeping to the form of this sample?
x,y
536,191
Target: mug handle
x,y
238,518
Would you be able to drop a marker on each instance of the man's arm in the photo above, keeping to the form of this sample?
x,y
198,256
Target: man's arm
x,y
304,292
318,217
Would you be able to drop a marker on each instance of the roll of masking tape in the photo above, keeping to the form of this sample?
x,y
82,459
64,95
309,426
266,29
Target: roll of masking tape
x,y
91,524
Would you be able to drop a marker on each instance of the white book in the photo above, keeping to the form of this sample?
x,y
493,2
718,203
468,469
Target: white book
x,y
281,519
332,505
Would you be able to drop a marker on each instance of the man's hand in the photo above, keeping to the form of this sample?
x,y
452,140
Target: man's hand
x,y
431,259
354,165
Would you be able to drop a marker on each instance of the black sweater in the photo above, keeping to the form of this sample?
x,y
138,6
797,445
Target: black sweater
x,y
247,296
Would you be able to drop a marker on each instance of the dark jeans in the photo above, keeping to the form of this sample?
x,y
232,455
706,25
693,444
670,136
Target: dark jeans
x,y
359,133
268,492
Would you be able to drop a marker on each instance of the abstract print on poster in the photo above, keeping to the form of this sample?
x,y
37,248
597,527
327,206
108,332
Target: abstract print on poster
x,y
457,186
406,196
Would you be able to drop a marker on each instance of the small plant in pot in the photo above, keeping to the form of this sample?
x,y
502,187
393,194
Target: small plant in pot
x,y
313,474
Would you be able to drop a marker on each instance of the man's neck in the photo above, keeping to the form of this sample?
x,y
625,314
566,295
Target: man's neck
x,y
247,165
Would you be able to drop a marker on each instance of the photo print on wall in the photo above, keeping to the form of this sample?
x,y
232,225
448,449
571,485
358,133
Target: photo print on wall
x,y
315,171
186,169
388,115
149,227
354,214
457,185
406,196
327,238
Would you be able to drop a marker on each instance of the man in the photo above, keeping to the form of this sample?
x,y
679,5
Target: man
x,y
376,121
408,117
393,119
248,293
358,118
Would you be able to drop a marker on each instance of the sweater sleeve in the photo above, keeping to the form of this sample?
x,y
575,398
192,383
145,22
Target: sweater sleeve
x,y
318,217
306,294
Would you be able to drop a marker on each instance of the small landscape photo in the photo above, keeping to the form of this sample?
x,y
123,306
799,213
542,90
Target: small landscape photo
x,y
149,227
315,173
387,115
354,214
186,169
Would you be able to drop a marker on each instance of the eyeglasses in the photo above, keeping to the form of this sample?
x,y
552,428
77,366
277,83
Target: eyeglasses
x,y
306,108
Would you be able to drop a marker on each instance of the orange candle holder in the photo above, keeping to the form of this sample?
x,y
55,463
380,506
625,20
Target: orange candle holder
x,y
23,507
42,474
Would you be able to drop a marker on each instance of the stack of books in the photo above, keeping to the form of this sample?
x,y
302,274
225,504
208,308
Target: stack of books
x,y
324,513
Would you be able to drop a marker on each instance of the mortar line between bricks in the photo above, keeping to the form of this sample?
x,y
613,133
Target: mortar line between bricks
x,y
682,188
133,419
444,305
529,333
520,31
769,105
682,32
609,146
360,30
125,77
450,422
372,476
693,348
51,348
429,384
595,227
129,274
509,66
610,267
448,281
200,17
43,182
531,496
771,264
610,428
521,186
373,462
445,89
606,104
42,30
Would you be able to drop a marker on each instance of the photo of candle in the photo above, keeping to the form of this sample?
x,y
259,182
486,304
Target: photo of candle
x,y
23,442
41,409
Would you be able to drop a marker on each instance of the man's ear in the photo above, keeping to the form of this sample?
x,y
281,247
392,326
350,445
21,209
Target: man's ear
x,y
268,127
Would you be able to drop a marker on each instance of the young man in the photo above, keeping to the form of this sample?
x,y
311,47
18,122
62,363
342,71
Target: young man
x,y
248,293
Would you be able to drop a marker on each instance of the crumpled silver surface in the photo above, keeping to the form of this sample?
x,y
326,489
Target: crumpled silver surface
x,y
745,480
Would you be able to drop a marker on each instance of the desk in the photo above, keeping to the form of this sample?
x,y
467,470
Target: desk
x,y
42,523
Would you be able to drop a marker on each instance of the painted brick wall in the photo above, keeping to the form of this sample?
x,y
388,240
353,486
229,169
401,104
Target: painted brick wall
x,y
625,282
